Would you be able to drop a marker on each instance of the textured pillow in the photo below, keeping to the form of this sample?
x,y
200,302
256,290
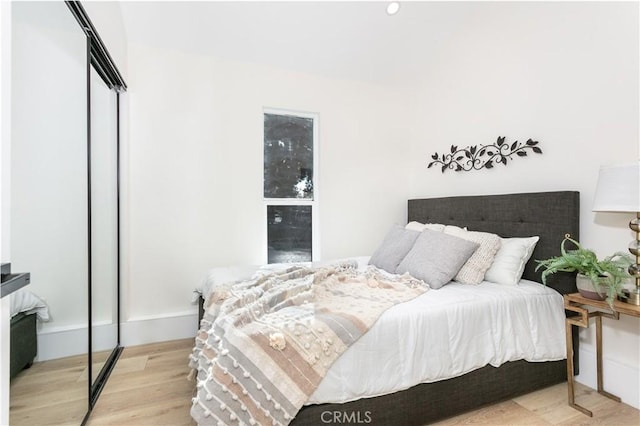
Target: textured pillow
x,y
472,272
417,226
508,266
436,257
394,248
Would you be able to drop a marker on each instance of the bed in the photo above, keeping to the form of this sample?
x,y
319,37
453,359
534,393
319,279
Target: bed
x,y
26,307
550,216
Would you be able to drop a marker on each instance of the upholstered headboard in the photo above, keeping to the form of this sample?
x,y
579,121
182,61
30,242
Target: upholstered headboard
x,y
549,215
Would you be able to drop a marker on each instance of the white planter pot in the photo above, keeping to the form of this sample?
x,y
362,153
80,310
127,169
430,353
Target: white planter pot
x,y
588,289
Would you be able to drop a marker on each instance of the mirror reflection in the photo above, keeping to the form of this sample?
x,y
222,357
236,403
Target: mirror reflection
x,y
104,223
49,211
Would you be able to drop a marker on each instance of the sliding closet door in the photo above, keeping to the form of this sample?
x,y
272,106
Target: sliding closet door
x,y
104,223
49,206
64,205
105,83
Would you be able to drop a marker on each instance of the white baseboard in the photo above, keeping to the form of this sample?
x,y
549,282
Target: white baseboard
x,y
70,341
63,342
143,330
619,379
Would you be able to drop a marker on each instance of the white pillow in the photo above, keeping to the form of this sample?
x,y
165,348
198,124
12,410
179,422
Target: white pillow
x,y
417,226
473,271
448,228
508,265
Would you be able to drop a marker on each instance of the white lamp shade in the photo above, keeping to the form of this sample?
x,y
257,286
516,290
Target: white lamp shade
x,y
618,188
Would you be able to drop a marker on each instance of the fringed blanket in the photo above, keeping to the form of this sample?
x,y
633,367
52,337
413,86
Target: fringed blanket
x,y
265,344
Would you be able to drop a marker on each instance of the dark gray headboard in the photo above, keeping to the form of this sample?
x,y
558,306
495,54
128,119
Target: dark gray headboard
x,y
549,215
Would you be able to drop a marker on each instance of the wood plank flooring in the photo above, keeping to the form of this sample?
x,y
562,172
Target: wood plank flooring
x,y
50,393
149,387
153,391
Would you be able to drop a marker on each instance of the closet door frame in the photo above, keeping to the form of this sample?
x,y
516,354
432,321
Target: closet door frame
x,y
96,386
99,58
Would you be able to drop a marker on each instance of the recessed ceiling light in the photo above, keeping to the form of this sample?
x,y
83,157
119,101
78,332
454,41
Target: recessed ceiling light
x,y
393,8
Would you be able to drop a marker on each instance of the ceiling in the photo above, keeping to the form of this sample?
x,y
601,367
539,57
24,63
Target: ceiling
x,y
350,40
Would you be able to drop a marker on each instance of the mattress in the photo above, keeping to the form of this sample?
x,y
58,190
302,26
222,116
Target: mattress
x,y
439,335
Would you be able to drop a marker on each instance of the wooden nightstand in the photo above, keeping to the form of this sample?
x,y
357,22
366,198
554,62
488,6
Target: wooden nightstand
x,y
576,303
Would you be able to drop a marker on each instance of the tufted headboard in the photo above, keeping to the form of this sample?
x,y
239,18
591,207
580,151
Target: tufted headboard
x,y
549,215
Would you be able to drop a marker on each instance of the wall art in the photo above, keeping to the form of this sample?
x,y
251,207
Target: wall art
x,y
477,157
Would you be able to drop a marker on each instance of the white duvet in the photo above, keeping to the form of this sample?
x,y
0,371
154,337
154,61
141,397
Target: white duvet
x,y
439,335
446,333
25,301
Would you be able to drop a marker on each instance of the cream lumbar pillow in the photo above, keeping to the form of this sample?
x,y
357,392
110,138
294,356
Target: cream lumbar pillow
x,y
508,266
473,271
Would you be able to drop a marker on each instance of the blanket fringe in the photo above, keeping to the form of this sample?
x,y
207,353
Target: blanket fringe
x,y
192,375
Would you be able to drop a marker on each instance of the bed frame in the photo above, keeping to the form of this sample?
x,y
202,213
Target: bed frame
x,y
24,344
550,215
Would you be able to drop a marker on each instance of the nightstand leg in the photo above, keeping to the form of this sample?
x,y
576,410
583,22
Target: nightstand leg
x,y
599,352
599,361
571,395
570,381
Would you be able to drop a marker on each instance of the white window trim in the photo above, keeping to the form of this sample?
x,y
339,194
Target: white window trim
x,y
314,203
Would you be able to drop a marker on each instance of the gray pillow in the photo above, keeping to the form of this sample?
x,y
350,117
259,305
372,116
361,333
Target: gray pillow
x,y
394,248
436,257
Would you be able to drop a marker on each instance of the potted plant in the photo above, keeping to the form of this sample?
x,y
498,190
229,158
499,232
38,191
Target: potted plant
x,y
596,279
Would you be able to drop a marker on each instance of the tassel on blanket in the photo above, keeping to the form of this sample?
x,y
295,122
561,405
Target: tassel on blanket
x,y
192,375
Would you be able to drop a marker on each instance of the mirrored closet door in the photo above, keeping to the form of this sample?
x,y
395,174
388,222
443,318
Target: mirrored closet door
x,y
49,210
64,208
104,227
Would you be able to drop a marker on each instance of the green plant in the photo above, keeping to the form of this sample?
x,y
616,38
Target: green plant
x,y
609,272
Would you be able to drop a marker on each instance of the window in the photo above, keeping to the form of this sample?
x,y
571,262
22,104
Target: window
x,y
290,188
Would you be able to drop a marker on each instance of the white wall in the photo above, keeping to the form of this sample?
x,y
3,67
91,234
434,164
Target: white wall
x,y
196,168
565,74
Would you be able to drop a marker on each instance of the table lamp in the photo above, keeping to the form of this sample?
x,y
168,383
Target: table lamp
x,y
618,190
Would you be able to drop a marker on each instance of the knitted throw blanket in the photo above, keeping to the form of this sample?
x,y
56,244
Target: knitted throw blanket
x,y
265,344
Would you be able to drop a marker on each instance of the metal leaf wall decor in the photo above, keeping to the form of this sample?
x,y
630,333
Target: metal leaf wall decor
x,y
477,157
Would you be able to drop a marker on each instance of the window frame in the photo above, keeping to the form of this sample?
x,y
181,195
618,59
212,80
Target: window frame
x,y
313,202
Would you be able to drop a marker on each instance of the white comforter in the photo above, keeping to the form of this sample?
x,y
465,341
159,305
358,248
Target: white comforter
x,y
446,333
25,301
439,335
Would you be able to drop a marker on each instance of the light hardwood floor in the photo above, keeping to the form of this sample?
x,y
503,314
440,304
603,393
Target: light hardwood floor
x,y
50,392
149,387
